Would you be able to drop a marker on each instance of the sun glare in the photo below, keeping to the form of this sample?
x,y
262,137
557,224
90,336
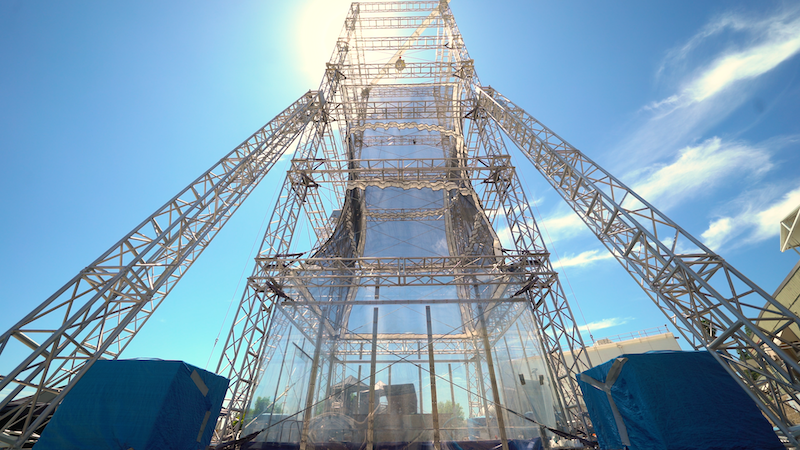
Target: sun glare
x,y
317,26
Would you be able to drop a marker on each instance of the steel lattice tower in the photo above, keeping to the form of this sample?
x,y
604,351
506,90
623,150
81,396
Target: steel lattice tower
x,y
407,300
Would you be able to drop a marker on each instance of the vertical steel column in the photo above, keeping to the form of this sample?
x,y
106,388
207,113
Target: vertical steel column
x,y
452,397
373,355
469,386
389,397
360,358
484,399
498,409
452,392
278,383
431,364
419,369
530,374
312,385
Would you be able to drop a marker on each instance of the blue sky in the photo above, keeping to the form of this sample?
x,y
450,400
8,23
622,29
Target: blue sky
x,y
110,108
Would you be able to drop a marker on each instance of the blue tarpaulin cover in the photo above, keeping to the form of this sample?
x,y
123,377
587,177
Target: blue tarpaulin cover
x,y
674,400
139,405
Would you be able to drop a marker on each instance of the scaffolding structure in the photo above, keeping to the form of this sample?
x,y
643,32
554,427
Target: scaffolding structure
x,y
406,320
407,283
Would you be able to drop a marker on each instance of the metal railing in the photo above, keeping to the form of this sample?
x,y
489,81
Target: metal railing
x,y
655,331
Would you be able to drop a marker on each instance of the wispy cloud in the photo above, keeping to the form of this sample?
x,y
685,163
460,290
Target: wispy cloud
x,y
769,42
505,236
698,168
756,219
605,323
766,220
714,71
584,259
562,227
718,232
715,27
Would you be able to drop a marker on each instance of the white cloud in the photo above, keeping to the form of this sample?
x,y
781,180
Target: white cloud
x,y
757,219
669,159
699,168
710,29
766,221
562,227
770,42
782,42
718,232
605,323
713,73
553,229
585,258
505,236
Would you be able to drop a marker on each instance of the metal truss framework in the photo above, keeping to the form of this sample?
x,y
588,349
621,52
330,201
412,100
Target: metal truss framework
x,y
484,161
710,302
97,313
556,323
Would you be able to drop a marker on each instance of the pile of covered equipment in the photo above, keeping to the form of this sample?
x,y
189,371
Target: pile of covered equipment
x,y
138,405
672,400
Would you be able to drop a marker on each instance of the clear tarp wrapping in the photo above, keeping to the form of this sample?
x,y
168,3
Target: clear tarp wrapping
x,y
406,324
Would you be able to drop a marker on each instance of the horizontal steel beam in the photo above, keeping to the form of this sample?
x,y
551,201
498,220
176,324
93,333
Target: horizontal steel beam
x,y
438,301
409,70
397,7
395,22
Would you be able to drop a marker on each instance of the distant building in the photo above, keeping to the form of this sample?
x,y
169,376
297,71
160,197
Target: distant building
x,y
788,295
788,292
654,339
529,375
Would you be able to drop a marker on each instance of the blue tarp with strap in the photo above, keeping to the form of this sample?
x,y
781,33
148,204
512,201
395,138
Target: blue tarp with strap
x,y
672,400
137,404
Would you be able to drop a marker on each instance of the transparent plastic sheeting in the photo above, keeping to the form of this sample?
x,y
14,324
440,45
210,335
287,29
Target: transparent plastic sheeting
x,y
354,333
